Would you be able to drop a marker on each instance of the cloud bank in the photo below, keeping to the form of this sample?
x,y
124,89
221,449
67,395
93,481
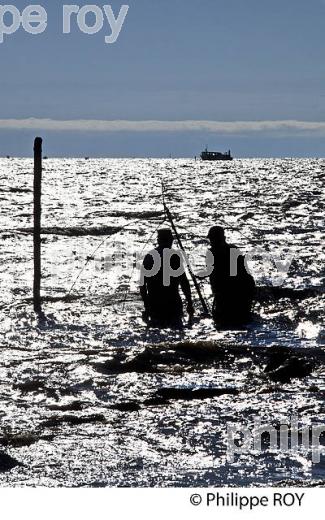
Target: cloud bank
x,y
285,127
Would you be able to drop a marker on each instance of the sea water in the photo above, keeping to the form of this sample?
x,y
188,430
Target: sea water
x,y
99,218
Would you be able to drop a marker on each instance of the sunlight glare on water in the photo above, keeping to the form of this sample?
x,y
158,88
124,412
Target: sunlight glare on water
x,y
273,209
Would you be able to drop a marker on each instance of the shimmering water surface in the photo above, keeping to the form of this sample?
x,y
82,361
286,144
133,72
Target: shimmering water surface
x,y
79,389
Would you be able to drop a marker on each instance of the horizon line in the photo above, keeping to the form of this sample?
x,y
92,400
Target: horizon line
x,y
163,157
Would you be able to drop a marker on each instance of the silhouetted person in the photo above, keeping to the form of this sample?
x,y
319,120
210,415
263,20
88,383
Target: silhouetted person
x,y
162,275
232,286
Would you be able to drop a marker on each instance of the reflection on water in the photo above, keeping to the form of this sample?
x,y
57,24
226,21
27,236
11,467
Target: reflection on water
x,y
79,391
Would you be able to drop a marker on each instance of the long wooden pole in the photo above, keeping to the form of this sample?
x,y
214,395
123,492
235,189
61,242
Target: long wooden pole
x,y
194,279
37,223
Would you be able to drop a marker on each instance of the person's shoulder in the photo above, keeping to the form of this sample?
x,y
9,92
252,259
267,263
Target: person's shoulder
x,y
233,247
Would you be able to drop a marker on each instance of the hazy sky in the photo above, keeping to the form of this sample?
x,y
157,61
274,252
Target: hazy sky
x,y
181,61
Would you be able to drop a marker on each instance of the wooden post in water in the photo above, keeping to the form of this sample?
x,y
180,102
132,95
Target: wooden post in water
x,y
37,223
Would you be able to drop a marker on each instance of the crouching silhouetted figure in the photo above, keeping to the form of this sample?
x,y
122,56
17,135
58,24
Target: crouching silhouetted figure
x,y
232,286
162,274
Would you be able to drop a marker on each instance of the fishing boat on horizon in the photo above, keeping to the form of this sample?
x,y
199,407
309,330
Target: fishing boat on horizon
x,y
216,156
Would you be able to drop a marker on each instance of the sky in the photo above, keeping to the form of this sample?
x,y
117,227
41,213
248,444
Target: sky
x,y
248,75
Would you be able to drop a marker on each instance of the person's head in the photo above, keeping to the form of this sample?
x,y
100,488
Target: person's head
x,y
165,238
216,236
